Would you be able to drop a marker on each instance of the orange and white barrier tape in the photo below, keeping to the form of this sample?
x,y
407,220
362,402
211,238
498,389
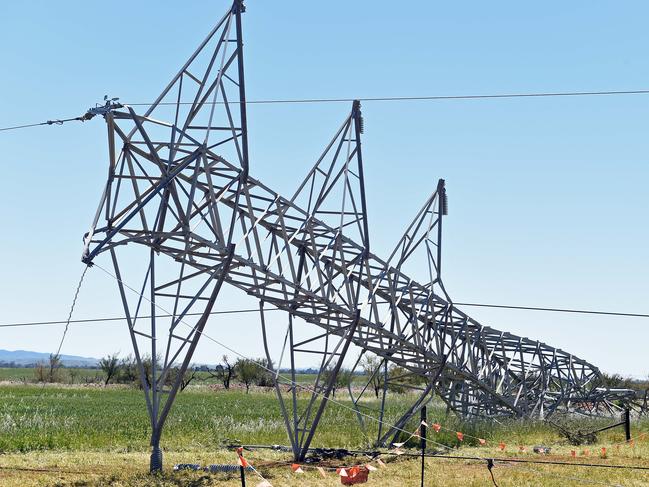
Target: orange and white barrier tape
x,y
242,461
297,468
436,427
246,464
349,472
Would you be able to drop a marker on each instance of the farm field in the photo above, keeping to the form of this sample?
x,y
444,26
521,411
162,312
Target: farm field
x,y
27,374
76,436
78,375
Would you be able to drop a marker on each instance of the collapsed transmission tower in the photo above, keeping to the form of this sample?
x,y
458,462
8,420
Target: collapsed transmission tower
x,y
181,217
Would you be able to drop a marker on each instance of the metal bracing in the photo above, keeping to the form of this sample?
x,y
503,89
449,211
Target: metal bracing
x,y
145,202
180,203
333,192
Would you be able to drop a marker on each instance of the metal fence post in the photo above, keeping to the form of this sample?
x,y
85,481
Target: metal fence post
x,y
422,430
243,475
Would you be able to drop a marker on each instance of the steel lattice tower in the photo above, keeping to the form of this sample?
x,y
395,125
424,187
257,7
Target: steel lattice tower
x,y
181,216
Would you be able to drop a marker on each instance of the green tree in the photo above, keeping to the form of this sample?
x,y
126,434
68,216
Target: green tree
x,y
265,377
54,367
616,381
374,372
128,373
343,378
73,373
400,379
40,372
224,372
189,375
248,372
48,371
110,365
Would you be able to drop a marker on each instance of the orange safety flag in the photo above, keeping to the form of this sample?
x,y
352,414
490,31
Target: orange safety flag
x,y
380,462
242,461
398,445
322,472
632,443
371,468
296,468
585,453
342,472
603,452
460,436
482,441
573,453
354,471
502,446
437,427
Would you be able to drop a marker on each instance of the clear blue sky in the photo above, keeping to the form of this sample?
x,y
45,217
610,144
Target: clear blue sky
x,y
548,199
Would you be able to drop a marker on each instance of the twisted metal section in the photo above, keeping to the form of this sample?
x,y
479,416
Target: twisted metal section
x,y
181,214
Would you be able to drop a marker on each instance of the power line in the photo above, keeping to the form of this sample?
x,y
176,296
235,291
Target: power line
x,y
420,98
371,99
122,318
82,118
256,310
16,127
557,310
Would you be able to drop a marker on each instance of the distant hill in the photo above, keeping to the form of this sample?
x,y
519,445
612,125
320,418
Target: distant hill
x,y
24,358
27,358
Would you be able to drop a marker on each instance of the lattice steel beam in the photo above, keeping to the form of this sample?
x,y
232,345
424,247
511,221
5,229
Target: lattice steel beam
x,y
179,192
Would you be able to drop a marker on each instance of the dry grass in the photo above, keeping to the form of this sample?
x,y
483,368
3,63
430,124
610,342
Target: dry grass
x,y
77,437
121,469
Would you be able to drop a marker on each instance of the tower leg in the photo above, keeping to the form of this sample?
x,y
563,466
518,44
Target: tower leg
x,y
155,464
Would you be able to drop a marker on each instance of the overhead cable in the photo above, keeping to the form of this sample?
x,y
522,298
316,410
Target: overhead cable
x,y
255,310
417,98
279,101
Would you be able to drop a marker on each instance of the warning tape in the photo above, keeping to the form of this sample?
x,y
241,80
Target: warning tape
x,y
502,446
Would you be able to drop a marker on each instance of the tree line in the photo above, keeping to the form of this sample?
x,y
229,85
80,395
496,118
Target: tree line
x,y
113,369
125,370
248,372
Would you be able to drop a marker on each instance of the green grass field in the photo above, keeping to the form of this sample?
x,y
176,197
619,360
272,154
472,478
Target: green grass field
x,y
26,374
74,436
87,375
50,416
